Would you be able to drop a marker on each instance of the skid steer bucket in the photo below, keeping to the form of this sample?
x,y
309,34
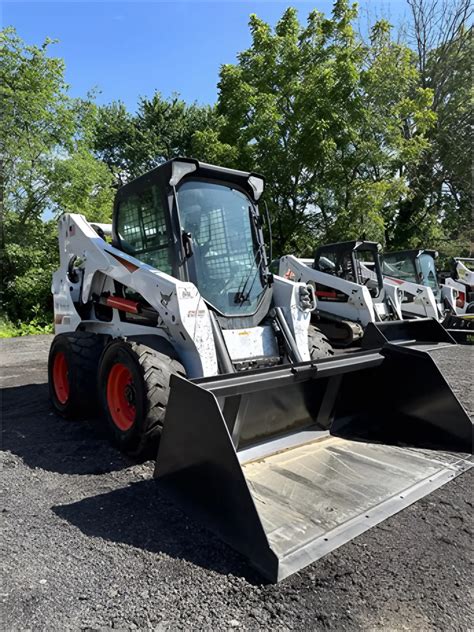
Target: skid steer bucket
x,y
286,464
461,328
404,331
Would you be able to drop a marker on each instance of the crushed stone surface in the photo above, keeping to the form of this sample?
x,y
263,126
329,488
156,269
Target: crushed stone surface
x,y
90,543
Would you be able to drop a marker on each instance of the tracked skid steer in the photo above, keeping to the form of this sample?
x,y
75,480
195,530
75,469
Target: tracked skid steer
x,y
170,324
349,286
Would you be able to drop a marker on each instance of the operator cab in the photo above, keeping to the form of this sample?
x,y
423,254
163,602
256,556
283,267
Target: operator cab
x,y
200,223
415,266
355,261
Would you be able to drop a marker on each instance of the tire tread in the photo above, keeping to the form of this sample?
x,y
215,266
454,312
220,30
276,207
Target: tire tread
x,y
319,345
84,351
156,370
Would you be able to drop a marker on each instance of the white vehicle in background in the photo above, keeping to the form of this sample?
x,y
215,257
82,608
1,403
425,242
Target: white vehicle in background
x,y
355,285
417,269
414,271
349,287
461,283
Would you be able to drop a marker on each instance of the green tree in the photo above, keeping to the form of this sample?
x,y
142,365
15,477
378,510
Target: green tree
x,y
289,103
82,184
47,169
29,257
46,137
161,129
116,141
332,124
37,122
390,142
441,186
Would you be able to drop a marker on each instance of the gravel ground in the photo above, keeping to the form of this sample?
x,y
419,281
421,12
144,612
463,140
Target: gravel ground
x,y
90,544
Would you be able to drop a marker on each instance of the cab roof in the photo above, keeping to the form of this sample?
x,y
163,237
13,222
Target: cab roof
x,y
163,173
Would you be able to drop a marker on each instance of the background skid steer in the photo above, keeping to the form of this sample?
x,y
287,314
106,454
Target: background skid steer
x,y
410,267
281,447
460,280
350,290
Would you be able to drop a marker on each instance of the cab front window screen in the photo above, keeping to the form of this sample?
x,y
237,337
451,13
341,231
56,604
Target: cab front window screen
x,y
142,229
399,267
428,275
336,263
226,262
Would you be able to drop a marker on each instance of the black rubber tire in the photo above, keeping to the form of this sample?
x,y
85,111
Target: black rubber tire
x,y
82,351
151,372
319,345
470,308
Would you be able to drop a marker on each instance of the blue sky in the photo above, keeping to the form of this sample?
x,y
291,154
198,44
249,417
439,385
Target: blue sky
x,y
129,49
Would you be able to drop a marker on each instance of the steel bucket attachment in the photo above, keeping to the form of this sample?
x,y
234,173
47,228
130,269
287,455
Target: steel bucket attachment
x,y
288,463
461,328
403,332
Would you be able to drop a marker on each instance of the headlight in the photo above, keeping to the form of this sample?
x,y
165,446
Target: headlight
x,y
257,185
179,170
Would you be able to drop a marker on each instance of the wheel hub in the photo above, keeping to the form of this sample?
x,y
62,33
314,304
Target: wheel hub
x,y
130,394
121,397
61,377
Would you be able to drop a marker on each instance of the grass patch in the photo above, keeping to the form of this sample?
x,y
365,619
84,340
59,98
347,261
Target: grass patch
x,y
8,329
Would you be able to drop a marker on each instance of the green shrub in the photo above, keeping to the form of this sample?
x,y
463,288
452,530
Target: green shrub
x,y
39,324
29,257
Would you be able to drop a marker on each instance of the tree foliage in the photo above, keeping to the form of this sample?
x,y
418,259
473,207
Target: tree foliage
x,y
47,169
41,127
440,205
161,129
356,139
29,258
334,125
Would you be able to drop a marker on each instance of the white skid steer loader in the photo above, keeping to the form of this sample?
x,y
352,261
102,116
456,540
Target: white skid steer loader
x,y
415,270
348,284
462,283
274,443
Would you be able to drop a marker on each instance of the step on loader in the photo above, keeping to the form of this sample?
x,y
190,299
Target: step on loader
x,y
283,448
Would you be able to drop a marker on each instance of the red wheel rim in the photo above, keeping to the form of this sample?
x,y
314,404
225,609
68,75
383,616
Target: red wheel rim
x,y
121,396
60,377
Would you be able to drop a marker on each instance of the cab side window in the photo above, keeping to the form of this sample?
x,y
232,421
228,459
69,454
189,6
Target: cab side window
x,y
143,229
